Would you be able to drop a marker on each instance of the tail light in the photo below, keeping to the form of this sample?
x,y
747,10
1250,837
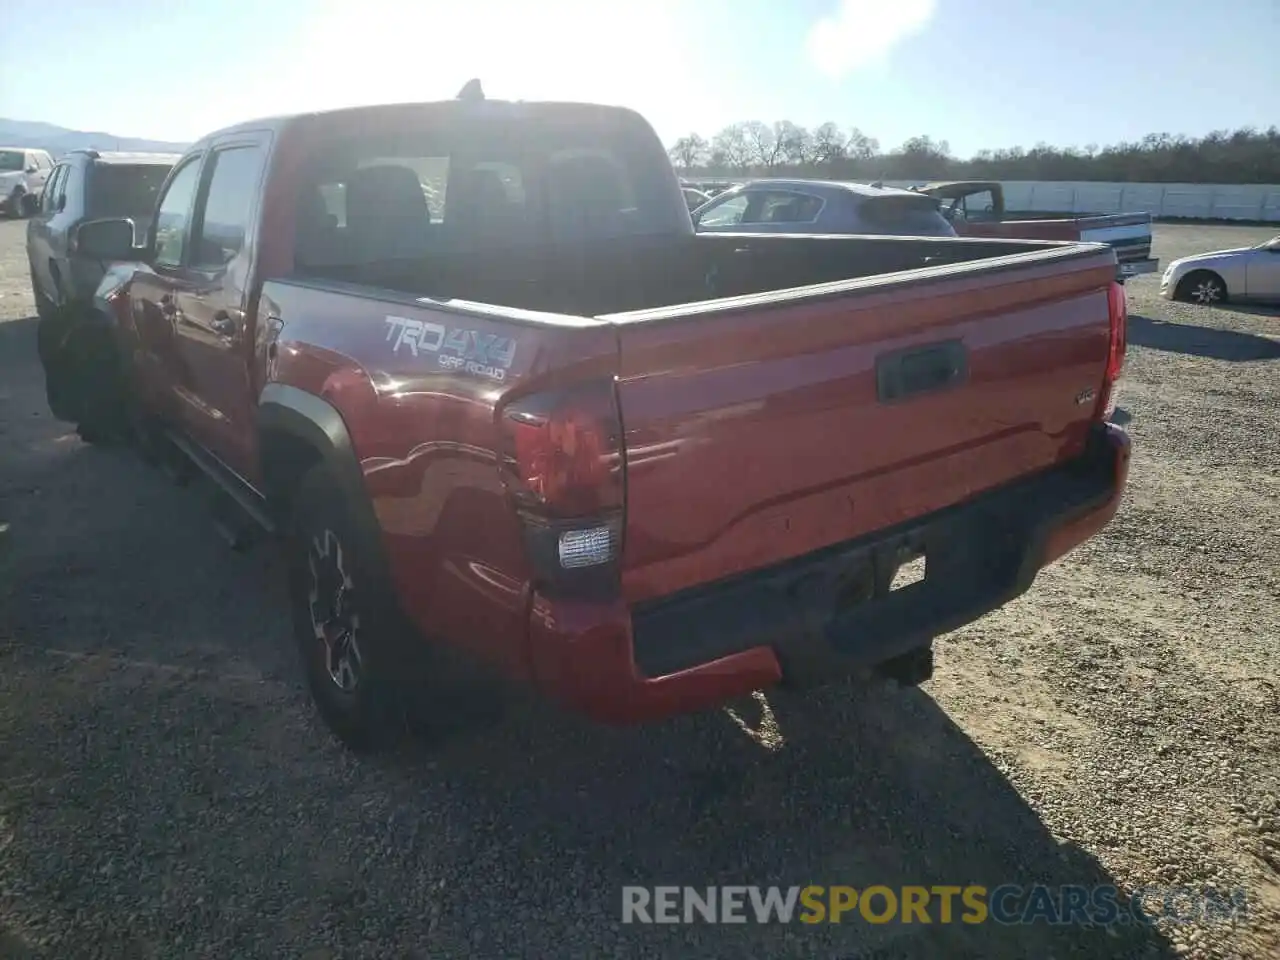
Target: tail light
x,y
562,464
1118,313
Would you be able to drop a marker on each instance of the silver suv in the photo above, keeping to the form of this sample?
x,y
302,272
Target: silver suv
x,y
23,174
86,185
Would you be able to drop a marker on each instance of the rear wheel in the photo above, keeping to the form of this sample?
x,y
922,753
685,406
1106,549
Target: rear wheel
x,y
1203,287
97,384
345,628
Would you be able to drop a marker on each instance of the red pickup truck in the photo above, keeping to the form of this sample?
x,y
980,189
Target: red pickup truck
x,y
471,364
976,209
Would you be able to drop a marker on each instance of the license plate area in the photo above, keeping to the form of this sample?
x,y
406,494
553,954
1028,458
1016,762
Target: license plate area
x,y
912,569
897,567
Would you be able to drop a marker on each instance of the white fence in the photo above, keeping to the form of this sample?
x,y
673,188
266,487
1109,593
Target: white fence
x,y
1209,201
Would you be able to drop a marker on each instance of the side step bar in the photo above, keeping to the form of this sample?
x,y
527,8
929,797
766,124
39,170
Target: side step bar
x,y
230,484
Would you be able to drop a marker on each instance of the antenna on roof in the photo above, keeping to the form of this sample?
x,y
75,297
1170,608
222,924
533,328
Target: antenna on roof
x,y
471,91
878,185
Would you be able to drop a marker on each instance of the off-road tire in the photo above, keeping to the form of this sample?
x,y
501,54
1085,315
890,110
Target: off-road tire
x,y
370,716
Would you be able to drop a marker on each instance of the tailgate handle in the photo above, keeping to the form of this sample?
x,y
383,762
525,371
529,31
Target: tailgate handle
x,y
906,373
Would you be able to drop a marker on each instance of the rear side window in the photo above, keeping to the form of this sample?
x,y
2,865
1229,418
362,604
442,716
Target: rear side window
x,y
762,206
789,208
124,190
54,189
905,216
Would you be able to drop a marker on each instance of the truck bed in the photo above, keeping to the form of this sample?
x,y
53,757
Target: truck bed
x,y
778,395
637,274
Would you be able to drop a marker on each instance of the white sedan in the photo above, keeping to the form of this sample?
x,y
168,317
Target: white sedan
x,y
1249,273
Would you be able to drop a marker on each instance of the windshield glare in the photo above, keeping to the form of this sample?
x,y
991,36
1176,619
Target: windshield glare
x,y
10,160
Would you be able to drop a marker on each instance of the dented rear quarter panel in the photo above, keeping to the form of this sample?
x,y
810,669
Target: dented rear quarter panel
x,y
423,423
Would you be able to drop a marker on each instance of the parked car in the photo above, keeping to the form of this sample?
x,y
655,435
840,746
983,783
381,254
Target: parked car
x,y
86,185
976,209
694,198
712,187
822,206
23,173
1243,274
561,434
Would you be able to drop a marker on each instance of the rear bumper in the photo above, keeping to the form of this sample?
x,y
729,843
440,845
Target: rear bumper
x,y
1135,268
693,651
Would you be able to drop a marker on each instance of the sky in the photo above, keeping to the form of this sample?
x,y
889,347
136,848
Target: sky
x,y
976,73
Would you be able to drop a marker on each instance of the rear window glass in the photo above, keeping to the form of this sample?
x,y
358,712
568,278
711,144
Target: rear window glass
x,y
124,190
475,185
789,208
905,215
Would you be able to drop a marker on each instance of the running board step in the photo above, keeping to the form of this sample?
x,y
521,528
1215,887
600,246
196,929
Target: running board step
x,y
235,489
238,530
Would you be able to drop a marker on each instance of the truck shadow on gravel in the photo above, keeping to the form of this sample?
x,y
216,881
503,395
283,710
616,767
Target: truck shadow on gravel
x,y
1213,343
849,785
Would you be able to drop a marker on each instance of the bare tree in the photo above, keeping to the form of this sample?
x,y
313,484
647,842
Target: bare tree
x,y
921,157
859,146
763,142
689,151
828,144
732,146
795,143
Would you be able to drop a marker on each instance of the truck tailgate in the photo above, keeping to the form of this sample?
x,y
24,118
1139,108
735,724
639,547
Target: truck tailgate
x,y
1128,234
764,428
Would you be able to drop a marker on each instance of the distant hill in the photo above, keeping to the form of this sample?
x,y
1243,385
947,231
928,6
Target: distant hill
x,y
58,140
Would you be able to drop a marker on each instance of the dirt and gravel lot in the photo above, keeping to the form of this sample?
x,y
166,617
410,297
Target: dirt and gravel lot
x,y
166,792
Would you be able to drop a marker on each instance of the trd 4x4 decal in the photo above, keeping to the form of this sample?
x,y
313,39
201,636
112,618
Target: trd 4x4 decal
x,y
470,351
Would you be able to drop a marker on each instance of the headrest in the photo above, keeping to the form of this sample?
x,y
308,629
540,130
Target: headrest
x,y
385,192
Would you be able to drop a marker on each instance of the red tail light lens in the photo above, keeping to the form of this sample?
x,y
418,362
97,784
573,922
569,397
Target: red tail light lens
x,y
1118,314
562,463
564,451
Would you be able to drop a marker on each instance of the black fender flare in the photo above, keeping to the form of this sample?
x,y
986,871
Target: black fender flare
x,y
312,423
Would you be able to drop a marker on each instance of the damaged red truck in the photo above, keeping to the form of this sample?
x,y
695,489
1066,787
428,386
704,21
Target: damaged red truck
x,y
470,362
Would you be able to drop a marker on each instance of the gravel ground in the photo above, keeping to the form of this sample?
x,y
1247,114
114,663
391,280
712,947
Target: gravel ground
x,y
166,792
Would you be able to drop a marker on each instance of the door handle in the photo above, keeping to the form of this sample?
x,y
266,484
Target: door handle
x,y
223,324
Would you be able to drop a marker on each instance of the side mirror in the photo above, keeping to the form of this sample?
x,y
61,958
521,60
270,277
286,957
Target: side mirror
x,y
32,169
106,240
